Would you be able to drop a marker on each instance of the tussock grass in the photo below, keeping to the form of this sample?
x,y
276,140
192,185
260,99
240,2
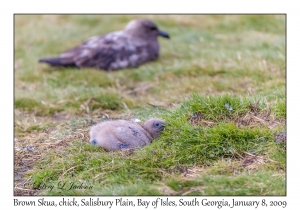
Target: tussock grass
x,y
219,83
183,145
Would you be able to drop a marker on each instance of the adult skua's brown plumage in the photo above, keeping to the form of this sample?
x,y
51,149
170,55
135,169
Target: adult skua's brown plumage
x,y
119,134
135,45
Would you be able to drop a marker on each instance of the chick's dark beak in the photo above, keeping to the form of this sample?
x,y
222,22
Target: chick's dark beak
x,y
162,127
163,34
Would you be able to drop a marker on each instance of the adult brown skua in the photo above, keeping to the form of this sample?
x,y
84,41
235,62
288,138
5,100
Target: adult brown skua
x,y
129,48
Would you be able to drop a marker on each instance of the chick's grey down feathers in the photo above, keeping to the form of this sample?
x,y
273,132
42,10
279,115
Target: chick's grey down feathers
x,y
135,45
119,134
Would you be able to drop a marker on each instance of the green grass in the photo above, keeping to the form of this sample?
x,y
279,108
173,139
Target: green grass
x,y
219,83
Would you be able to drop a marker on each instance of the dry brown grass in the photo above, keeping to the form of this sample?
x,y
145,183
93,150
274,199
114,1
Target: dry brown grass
x,y
34,146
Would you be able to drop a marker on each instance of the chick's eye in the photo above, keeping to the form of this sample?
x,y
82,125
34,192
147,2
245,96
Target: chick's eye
x,y
152,28
156,124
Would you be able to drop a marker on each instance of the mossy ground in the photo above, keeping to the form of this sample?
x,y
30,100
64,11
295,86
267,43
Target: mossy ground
x,y
219,83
